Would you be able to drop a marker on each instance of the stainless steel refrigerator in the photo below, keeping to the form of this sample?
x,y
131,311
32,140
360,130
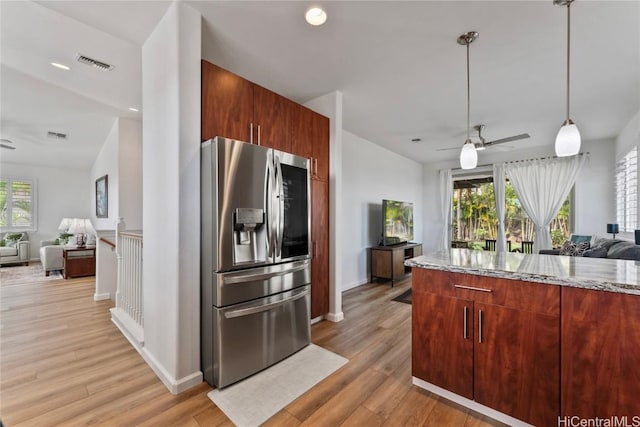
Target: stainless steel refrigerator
x,y
255,267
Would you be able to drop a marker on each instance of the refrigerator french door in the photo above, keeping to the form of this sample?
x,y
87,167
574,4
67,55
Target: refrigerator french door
x,y
255,245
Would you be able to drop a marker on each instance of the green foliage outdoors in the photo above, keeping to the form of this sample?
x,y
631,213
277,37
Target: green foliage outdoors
x,y
20,204
475,218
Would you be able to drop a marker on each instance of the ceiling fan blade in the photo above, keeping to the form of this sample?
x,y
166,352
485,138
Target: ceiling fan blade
x,y
447,149
508,139
7,146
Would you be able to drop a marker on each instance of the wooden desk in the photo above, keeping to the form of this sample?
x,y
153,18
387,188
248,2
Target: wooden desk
x,y
79,262
387,262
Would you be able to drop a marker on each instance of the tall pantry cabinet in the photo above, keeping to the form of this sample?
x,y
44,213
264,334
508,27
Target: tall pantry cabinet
x,y
233,107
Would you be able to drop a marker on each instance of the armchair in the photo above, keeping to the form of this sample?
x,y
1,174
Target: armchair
x,y
16,250
51,256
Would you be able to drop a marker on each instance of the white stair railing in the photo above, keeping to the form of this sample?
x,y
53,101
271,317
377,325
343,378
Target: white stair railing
x,y
128,313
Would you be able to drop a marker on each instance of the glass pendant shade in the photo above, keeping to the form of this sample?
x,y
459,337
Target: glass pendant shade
x,y
468,155
568,140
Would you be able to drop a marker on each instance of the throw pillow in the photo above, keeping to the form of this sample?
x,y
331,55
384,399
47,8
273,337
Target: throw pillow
x,y
573,249
12,239
624,250
578,238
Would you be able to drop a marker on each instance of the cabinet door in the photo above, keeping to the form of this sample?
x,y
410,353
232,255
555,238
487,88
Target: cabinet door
x,y
516,369
600,356
442,353
320,241
227,104
310,138
272,115
398,263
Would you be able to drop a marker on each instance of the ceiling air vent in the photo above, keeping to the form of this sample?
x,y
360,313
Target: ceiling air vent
x,y
94,63
56,135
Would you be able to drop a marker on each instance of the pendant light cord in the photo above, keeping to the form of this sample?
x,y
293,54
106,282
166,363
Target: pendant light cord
x,y
468,91
568,53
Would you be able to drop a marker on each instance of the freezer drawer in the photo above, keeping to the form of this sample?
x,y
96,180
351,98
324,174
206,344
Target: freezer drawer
x,y
251,336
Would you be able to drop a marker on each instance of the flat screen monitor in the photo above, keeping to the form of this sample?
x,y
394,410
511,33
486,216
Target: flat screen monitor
x,y
397,222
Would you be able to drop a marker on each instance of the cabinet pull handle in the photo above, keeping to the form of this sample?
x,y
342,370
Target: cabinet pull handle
x,y
259,135
316,166
480,316
471,288
251,133
466,323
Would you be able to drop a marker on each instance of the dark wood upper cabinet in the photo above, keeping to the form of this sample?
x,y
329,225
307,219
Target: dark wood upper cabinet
x,y
227,104
272,119
310,138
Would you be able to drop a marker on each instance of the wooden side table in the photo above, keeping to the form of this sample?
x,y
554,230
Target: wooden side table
x,y
387,262
79,262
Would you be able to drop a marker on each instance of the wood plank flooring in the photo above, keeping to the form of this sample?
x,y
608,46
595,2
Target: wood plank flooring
x,y
62,362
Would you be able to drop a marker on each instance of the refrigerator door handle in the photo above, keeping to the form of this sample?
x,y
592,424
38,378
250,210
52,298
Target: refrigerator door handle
x,y
269,179
280,200
264,307
254,277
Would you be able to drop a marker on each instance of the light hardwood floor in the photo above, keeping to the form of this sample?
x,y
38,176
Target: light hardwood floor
x,y
63,362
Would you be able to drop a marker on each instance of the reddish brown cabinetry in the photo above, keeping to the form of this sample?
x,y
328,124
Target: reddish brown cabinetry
x,y
600,354
310,138
79,262
236,108
319,248
495,341
233,107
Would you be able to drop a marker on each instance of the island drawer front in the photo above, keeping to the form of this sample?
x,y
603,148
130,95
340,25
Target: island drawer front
x,y
527,296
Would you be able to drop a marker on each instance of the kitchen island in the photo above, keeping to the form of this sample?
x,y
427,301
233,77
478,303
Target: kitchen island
x,y
528,338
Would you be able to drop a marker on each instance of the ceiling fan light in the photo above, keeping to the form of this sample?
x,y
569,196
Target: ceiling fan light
x,y
468,155
568,140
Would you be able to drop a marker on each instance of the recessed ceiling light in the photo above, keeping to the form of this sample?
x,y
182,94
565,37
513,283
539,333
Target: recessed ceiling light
x,y
61,66
316,16
133,109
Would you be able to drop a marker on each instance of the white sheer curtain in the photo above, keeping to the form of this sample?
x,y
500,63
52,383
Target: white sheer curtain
x,y
499,178
542,186
446,193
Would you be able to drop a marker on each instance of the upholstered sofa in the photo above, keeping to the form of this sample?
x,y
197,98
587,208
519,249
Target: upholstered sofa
x,y
14,250
600,247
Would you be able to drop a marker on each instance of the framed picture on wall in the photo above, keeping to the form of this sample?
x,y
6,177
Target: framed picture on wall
x,y
102,197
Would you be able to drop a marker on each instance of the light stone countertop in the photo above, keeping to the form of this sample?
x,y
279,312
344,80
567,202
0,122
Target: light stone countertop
x,y
603,274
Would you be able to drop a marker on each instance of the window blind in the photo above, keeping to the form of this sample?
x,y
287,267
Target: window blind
x,y
627,191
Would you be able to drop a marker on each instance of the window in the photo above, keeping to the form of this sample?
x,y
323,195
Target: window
x,y
627,191
474,214
17,204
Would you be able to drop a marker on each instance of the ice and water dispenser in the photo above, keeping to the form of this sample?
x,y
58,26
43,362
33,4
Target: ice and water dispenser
x,y
249,236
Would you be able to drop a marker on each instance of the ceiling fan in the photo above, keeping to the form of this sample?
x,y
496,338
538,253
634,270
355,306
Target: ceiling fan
x,y
4,142
480,143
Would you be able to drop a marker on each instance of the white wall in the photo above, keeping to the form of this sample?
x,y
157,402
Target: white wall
x,y
61,192
171,205
106,163
129,174
372,173
121,159
593,204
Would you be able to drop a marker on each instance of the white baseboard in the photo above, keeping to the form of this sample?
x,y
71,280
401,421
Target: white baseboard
x,y
317,320
355,284
175,386
471,404
100,297
334,317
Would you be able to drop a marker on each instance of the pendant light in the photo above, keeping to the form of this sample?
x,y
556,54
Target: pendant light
x,y
568,138
468,154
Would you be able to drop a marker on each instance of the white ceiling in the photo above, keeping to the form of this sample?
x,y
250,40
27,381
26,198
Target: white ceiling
x,y
398,65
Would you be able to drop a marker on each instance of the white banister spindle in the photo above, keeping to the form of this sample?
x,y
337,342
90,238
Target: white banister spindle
x,y
128,313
